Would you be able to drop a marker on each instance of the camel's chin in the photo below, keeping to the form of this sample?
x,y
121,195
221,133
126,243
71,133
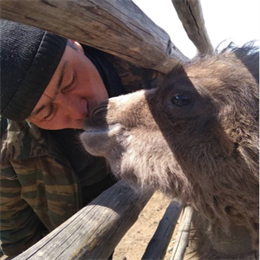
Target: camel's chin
x,y
94,141
98,140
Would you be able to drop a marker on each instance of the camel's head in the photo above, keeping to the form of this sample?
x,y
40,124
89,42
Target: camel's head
x,y
202,117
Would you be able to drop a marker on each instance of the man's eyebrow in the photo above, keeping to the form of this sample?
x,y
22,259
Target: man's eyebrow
x,y
58,87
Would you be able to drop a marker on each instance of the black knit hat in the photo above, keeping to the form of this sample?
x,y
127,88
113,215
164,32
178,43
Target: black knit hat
x,y
29,58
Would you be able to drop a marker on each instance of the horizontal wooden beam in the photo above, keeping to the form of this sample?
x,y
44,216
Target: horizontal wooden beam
x,y
94,231
117,27
191,16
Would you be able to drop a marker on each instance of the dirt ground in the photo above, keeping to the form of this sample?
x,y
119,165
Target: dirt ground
x,y
133,244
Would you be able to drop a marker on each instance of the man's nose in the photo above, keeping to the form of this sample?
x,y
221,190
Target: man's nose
x,y
75,107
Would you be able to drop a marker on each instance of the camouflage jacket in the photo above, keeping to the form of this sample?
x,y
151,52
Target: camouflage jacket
x,y
38,185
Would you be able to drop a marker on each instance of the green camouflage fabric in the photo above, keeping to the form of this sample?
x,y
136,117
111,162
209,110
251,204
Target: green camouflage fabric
x,y
38,185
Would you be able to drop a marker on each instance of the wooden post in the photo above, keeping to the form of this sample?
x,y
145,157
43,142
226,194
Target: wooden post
x,y
183,235
157,246
117,27
191,16
94,231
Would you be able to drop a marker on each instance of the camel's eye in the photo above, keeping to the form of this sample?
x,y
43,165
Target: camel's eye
x,y
181,100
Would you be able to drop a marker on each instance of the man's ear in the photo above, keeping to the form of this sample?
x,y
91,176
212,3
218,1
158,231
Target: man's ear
x,y
77,45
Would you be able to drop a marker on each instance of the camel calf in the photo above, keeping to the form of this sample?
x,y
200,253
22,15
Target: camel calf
x,y
196,138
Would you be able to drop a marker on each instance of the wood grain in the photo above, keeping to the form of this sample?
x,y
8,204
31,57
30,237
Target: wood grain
x,y
94,231
118,27
191,16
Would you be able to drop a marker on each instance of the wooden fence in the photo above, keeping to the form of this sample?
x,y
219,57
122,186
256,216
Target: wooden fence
x,y
120,28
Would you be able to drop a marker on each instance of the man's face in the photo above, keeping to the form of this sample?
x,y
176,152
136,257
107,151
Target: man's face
x,y
72,94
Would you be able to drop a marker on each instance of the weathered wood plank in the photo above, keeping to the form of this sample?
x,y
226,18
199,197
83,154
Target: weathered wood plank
x,y
191,16
94,231
157,246
183,234
118,27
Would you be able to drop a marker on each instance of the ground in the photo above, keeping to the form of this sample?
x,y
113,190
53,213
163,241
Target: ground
x,y
133,244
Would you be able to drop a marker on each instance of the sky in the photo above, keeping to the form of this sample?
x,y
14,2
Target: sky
x,y
226,20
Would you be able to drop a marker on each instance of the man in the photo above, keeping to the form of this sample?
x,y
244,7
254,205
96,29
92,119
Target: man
x,y
48,86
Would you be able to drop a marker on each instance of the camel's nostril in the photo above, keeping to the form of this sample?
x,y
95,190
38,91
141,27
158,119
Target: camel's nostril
x,y
100,109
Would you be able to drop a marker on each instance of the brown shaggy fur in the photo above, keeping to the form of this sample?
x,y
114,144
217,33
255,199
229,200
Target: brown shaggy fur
x,y
195,137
